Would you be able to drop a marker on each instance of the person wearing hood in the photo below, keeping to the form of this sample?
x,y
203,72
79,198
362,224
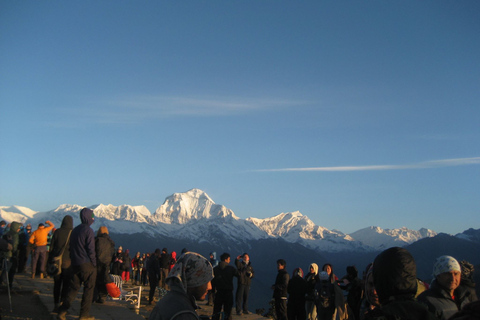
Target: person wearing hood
x,y
189,281
222,283
12,237
84,264
61,243
395,280
445,297
39,239
311,278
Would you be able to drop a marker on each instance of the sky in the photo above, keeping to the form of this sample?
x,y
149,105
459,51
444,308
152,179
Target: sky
x,y
355,113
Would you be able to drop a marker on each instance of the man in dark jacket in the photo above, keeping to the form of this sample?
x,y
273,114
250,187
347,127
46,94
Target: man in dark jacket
x,y
395,279
222,283
280,290
246,274
153,269
164,262
445,297
84,264
60,244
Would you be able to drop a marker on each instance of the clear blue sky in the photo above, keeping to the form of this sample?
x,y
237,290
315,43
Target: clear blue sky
x,y
373,105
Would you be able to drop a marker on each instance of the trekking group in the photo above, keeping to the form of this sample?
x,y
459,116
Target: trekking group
x,y
388,289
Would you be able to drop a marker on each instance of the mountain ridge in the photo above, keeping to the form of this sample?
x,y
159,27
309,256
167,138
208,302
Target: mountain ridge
x,y
194,215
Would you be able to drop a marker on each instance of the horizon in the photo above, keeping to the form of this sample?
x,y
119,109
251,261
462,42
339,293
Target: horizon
x,y
354,114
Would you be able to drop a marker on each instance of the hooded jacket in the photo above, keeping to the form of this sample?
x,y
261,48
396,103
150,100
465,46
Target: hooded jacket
x,y
105,249
59,241
13,234
395,279
82,240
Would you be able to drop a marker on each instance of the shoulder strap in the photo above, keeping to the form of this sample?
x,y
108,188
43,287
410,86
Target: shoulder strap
x,y
65,246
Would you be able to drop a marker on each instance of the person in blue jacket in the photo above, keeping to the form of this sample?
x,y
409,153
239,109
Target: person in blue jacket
x,y
84,264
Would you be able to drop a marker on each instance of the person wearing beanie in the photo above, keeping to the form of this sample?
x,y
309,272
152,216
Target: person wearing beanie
x,y
297,289
395,279
445,297
189,280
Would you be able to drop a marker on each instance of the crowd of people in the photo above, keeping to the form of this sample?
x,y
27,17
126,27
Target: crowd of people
x,y
388,288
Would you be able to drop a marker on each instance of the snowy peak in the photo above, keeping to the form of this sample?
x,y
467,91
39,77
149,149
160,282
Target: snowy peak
x,y
379,238
195,204
16,213
123,212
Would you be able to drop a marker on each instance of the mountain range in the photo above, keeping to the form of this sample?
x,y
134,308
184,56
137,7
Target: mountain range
x,y
193,215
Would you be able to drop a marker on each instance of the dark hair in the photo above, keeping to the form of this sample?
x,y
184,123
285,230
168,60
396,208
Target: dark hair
x,y
224,256
281,262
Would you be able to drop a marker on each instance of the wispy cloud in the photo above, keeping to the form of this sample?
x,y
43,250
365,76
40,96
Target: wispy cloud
x,y
136,109
420,165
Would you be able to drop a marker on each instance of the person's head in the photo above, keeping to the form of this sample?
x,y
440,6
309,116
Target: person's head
x,y
86,216
447,272
225,257
395,275
370,292
468,270
29,228
103,230
3,224
157,252
323,276
193,274
313,268
246,257
298,272
281,264
327,267
352,272
41,225
120,249
164,250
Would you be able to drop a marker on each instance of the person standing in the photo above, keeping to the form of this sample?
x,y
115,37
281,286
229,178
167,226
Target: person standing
x,y
246,274
280,290
104,249
164,261
445,297
84,264
118,265
61,243
153,269
12,255
23,244
222,283
297,289
211,293
39,241
311,278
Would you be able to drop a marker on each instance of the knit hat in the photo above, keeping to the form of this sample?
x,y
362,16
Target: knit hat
x,y
191,270
446,264
298,272
324,276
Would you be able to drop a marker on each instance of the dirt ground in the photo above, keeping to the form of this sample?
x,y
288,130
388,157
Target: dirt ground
x,y
25,305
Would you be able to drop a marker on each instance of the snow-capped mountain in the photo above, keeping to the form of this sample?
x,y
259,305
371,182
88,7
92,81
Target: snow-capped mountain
x,y
16,213
193,215
297,228
380,239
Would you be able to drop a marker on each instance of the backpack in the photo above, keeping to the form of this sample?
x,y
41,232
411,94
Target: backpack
x,y
324,295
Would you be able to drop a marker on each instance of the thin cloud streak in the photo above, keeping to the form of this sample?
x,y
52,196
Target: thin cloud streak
x,y
137,109
420,165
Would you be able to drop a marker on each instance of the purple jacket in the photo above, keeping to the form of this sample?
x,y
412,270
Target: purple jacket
x,y
82,240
